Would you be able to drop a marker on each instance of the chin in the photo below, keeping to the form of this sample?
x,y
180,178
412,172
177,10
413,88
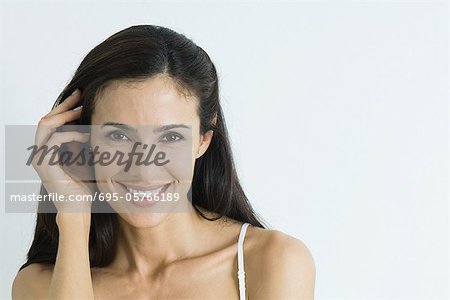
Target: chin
x,y
143,220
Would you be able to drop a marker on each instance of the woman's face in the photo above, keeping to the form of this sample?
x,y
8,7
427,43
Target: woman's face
x,y
153,119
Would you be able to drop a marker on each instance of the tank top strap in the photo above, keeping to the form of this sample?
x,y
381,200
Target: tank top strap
x,y
240,255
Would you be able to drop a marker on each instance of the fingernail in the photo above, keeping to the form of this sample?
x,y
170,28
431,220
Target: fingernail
x,y
74,92
78,108
86,133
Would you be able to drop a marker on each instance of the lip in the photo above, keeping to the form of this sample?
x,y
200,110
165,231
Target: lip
x,y
143,201
143,187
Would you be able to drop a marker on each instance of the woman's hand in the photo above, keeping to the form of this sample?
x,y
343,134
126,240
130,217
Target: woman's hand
x,y
54,177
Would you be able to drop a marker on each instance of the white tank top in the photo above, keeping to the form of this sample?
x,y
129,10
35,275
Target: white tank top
x,y
240,255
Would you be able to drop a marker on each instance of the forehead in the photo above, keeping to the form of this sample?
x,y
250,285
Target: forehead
x,y
154,101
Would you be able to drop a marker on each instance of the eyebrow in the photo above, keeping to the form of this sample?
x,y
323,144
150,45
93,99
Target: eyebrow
x,y
155,130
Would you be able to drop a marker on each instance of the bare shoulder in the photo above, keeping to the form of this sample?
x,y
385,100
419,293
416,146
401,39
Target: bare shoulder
x,y
32,282
278,266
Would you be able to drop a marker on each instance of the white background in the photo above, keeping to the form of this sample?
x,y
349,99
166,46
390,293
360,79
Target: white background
x,y
337,113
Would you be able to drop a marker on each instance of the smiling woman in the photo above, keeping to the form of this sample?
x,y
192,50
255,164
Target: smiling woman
x,y
148,85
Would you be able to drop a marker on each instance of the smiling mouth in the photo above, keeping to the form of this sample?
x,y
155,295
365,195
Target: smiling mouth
x,y
147,190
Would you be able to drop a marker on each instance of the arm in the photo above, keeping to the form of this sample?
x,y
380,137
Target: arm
x,y
71,276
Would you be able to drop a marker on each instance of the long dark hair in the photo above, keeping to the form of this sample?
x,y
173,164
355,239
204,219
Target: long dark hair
x,y
132,54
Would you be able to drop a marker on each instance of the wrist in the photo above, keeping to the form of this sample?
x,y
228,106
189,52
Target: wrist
x,y
74,221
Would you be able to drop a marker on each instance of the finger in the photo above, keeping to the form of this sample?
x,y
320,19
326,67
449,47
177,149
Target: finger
x,y
54,143
59,138
63,117
48,125
45,156
69,103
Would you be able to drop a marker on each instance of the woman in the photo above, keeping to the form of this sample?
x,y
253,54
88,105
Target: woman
x,y
152,75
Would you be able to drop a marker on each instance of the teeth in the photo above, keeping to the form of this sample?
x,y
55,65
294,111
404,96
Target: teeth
x,y
144,192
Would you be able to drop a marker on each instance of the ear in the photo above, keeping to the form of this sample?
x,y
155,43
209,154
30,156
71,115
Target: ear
x,y
206,139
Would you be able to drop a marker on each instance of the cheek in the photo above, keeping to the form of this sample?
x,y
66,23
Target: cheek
x,y
103,175
196,142
181,163
105,168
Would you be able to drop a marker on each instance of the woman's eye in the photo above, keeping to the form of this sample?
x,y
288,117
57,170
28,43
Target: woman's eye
x,y
172,137
117,136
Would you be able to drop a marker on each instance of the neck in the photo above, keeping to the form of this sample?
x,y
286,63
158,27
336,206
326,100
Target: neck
x,y
147,250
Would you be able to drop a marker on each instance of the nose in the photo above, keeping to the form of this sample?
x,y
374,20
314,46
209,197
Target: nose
x,y
145,161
